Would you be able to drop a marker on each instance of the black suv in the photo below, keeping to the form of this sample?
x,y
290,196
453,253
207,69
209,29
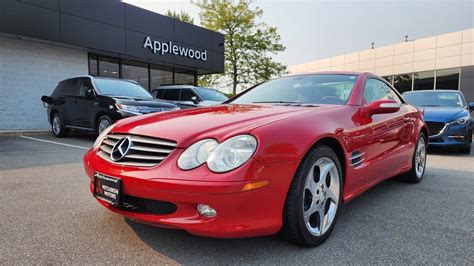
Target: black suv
x,y
94,103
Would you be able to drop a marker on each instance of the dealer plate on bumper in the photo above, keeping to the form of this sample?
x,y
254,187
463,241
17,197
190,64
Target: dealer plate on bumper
x,y
107,188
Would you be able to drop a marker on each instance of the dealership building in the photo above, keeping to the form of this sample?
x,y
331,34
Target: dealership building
x,y
45,41
438,62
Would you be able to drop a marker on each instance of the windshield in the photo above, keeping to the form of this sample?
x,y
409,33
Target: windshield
x,y
435,99
211,95
113,87
313,89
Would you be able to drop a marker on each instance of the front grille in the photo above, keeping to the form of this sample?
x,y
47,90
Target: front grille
x,y
134,204
435,128
144,151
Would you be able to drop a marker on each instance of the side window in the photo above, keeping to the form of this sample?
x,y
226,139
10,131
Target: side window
x,y
73,86
171,95
85,84
187,94
66,87
377,90
160,94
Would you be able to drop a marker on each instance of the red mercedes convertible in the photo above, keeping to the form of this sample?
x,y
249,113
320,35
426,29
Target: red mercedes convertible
x,y
281,157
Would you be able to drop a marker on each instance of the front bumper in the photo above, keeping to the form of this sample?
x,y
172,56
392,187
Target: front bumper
x,y
239,214
454,136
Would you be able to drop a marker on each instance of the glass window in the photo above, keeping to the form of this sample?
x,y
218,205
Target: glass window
x,y
115,87
435,99
402,82
315,88
66,86
377,90
187,94
171,94
211,95
85,84
159,94
93,65
183,78
389,79
109,67
160,76
423,81
136,71
447,79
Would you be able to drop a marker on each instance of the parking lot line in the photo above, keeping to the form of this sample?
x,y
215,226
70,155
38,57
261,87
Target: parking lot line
x,y
54,142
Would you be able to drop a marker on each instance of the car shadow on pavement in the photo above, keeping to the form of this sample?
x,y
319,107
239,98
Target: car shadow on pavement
x,y
188,249
446,151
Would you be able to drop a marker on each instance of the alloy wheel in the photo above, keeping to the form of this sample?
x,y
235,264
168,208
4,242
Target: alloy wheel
x,y
420,157
321,196
56,125
103,124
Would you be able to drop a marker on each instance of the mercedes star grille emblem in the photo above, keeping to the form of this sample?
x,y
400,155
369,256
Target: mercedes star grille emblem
x,y
120,149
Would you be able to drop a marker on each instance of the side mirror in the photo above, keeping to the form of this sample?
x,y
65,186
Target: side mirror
x,y
195,99
383,107
471,106
47,100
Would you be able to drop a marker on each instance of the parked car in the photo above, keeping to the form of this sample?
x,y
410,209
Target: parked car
x,y
186,96
447,115
282,156
94,103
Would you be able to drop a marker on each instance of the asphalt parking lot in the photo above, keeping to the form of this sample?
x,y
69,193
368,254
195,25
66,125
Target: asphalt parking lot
x,y
48,216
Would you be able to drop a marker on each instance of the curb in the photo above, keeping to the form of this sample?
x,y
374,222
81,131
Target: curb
x,y
16,133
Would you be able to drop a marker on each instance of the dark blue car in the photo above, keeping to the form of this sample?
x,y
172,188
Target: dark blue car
x,y
447,116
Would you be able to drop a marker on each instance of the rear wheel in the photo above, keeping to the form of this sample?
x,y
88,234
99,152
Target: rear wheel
x,y
314,198
57,126
417,171
103,123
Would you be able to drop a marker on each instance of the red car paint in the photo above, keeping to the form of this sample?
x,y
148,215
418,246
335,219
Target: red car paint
x,y
284,135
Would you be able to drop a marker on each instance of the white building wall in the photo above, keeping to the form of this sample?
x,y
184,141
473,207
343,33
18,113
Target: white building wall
x,y
450,50
29,70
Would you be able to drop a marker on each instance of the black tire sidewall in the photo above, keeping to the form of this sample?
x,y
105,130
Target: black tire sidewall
x,y
315,154
106,117
61,129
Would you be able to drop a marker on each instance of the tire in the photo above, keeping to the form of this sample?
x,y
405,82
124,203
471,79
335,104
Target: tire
x,y
466,150
417,171
102,123
57,126
309,193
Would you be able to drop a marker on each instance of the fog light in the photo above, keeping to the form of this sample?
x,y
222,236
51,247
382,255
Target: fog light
x,y
206,210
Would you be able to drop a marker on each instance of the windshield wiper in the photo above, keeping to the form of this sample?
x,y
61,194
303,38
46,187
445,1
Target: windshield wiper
x,y
430,105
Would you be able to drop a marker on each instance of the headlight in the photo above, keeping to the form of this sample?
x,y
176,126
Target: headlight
x,y
461,121
232,153
101,137
196,154
129,108
222,157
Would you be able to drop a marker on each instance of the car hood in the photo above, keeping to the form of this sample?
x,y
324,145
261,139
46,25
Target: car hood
x,y
219,122
443,114
149,102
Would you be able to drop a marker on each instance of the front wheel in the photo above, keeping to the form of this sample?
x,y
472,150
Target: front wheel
x,y
314,198
103,123
417,171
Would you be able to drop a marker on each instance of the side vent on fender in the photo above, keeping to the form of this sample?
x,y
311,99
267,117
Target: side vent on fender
x,y
357,158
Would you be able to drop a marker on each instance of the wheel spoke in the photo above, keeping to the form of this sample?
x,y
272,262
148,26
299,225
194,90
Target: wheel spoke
x,y
325,168
322,221
310,184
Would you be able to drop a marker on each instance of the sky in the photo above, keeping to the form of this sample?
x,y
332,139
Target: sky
x,y
313,30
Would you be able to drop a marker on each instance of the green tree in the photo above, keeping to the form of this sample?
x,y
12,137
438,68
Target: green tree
x,y
181,15
249,43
